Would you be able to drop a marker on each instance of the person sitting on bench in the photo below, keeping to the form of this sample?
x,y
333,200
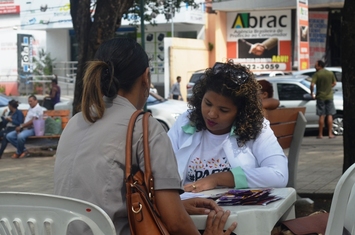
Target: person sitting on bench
x,y
18,137
10,120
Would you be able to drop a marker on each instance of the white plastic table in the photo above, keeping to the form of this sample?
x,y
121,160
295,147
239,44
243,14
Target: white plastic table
x,y
255,219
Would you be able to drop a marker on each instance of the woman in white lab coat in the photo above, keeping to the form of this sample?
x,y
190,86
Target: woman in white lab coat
x,y
224,139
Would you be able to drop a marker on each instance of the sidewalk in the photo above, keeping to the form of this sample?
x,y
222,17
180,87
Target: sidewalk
x,y
319,168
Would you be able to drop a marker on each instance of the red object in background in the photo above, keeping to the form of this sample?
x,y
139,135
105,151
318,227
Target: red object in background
x,y
11,88
4,10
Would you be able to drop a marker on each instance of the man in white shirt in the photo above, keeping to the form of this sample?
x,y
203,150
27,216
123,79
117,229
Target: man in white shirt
x,y
175,92
18,137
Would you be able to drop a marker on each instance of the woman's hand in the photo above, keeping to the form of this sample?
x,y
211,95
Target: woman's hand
x,y
209,182
216,222
200,206
225,179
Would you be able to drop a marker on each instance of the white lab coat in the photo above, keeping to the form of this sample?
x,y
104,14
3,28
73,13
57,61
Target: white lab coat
x,y
262,160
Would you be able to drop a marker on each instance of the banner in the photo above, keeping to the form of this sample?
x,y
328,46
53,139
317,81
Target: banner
x,y
43,14
318,24
260,40
9,7
24,58
303,34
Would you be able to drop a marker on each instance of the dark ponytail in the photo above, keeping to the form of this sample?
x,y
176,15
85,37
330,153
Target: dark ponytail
x,y
118,64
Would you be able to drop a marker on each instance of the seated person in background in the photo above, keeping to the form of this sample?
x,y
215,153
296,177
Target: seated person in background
x,y
224,139
10,120
18,137
54,95
266,94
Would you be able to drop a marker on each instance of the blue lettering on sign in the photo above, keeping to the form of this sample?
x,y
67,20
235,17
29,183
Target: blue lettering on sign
x,y
32,21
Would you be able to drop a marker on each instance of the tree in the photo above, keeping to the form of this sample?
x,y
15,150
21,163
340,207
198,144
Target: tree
x,y
96,21
91,29
348,80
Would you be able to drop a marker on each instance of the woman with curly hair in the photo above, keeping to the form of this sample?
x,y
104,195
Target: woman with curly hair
x,y
224,139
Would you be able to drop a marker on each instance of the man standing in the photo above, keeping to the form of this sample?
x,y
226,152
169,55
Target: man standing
x,y
324,81
175,89
18,137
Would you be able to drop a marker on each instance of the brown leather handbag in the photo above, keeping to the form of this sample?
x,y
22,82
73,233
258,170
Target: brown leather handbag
x,y
143,214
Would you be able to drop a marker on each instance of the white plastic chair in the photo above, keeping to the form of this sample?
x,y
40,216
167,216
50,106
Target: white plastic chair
x,y
43,214
342,209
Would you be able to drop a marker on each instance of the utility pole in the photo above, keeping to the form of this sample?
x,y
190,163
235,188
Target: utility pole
x,y
141,11
172,16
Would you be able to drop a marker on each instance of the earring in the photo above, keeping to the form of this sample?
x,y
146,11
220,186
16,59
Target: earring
x,y
146,93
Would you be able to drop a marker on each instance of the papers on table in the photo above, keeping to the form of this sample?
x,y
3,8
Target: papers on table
x,y
229,197
214,194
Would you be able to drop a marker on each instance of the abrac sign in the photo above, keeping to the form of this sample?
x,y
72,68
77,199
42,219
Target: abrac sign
x,y
261,40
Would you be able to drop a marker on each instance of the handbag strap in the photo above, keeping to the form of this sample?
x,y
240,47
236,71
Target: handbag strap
x,y
148,177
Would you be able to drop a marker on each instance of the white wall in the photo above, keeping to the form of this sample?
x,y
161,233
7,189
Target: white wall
x,y
58,44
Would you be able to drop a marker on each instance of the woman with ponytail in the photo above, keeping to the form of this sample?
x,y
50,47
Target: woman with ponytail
x,y
90,158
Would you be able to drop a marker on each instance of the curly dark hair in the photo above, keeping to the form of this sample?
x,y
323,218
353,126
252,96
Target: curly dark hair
x,y
225,81
266,86
13,103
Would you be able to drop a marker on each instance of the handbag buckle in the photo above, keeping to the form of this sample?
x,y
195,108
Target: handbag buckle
x,y
137,211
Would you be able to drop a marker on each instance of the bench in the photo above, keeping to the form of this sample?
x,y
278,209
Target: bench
x,y
289,125
64,115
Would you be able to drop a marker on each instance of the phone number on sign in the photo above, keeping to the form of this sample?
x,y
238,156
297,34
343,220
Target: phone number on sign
x,y
267,66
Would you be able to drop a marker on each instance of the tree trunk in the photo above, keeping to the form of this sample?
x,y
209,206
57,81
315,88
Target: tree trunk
x,y
92,31
348,80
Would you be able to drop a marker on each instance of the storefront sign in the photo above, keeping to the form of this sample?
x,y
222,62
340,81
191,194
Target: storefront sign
x,y
318,24
43,14
261,40
15,9
25,55
303,34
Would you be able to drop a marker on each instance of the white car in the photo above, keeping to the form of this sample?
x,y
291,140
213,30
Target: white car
x,y
309,72
293,91
4,102
270,73
166,111
336,70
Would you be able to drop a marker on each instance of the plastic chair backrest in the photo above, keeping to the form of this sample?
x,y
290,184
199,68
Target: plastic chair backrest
x,y
342,209
43,214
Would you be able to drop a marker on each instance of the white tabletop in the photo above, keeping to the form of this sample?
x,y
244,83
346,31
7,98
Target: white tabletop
x,y
256,219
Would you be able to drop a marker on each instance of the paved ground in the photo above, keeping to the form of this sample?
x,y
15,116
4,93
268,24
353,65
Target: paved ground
x,y
319,169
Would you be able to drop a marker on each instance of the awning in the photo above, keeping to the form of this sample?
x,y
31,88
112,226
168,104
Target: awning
x,y
253,5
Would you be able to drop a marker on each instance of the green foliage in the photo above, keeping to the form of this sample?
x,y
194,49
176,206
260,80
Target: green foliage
x,y
152,8
43,63
2,89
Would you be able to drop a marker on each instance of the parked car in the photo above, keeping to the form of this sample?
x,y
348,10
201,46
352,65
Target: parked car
x,y
4,101
293,91
166,111
336,70
309,72
269,73
197,76
194,78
